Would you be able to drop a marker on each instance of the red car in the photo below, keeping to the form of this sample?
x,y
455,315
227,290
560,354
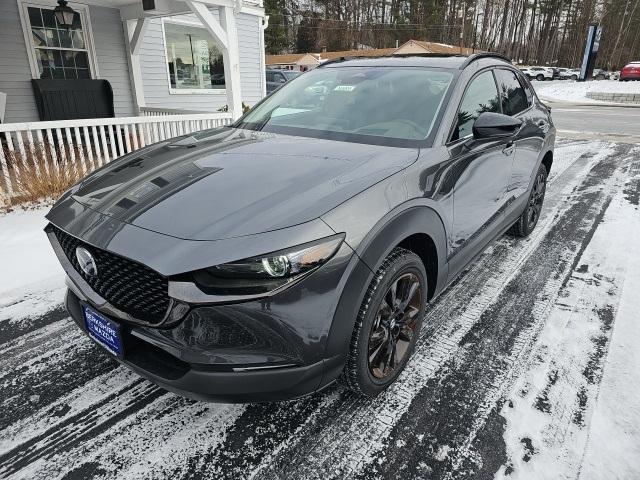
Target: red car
x,y
630,72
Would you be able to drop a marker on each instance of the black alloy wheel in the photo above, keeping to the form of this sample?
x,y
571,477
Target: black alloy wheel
x,y
388,324
395,325
536,199
529,218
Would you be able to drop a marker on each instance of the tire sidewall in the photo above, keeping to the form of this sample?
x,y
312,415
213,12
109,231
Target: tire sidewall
x,y
407,262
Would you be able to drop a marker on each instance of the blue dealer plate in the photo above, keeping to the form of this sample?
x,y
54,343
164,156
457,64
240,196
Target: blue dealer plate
x,y
103,331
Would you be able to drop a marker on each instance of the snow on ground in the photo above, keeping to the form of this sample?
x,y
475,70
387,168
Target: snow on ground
x,y
576,92
562,415
31,278
525,368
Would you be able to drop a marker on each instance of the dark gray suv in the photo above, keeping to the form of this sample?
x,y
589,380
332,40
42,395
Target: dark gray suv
x,y
300,245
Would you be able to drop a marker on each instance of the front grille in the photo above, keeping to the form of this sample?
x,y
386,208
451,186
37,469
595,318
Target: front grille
x,y
125,284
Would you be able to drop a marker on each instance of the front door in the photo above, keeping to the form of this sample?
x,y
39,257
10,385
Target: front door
x,y
482,169
517,102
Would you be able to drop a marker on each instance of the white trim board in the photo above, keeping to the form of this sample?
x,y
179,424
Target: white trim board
x,y
86,25
185,91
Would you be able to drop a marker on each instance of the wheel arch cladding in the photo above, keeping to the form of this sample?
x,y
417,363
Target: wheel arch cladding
x,y
408,229
547,160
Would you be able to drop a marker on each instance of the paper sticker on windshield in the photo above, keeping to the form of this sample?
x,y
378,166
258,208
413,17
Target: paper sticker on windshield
x,y
344,88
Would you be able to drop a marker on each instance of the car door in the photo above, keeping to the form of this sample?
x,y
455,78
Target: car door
x,y
518,102
481,168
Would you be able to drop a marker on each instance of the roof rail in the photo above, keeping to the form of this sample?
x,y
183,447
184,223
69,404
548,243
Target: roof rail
x,y
477,56
469,58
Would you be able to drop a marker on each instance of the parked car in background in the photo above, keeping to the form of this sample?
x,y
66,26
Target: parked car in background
x,y
630,71
600,74
569,74
276,78
538,73
266,259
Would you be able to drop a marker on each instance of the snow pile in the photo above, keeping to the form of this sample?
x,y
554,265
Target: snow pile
x,y
569,91
27,261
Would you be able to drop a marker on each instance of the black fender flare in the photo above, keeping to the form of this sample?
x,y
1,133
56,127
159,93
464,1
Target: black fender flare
x,y
408,219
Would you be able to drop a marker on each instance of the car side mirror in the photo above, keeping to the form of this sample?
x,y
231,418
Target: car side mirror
x,y
495,125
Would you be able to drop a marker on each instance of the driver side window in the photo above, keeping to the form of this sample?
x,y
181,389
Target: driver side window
x,y
481,96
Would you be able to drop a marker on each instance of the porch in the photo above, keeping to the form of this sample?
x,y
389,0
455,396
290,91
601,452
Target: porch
x,y
175,66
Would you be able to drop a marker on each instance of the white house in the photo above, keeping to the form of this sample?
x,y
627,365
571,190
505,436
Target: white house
x,y
171,65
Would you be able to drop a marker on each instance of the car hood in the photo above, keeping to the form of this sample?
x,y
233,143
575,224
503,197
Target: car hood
x,y
229,182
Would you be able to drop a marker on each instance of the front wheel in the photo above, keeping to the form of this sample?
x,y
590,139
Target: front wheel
x,y
388,324
529,218
540,77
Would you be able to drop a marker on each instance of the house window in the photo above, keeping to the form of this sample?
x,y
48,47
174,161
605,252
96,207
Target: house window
x,y
59,52
194,62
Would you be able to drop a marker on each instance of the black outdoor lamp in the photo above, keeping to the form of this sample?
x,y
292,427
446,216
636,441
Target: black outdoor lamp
x,y
64,14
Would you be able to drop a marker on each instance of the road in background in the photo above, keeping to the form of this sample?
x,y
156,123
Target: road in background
x,y
620,124
592,121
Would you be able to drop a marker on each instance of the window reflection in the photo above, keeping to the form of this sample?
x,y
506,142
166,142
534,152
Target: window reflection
x,y
193,59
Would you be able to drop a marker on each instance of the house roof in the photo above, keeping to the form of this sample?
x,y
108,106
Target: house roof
x,y
433,47
411,46
290,58
372,52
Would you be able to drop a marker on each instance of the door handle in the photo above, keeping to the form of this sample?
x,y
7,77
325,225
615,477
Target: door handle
x,y
509,148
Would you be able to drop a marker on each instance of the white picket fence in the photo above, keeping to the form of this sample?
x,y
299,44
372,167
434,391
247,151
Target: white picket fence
x,y
87,143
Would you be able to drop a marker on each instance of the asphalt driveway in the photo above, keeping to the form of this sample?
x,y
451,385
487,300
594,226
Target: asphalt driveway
x,y
511,378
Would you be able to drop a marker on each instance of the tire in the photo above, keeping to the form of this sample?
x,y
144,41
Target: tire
x,y
529,218
377,324
574,77
540,77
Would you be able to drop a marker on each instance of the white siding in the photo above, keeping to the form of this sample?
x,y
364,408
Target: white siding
x,y
15,72
156,82
108,39
108,36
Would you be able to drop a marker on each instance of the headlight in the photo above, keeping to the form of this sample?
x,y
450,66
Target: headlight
x,y
267,272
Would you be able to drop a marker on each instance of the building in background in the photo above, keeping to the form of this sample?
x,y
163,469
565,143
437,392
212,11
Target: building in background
x,y
306,61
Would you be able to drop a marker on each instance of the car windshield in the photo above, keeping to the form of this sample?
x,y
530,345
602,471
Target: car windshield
x,y
381,105
289,75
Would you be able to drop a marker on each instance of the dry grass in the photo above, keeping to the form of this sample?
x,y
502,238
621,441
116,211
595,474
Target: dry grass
x,y
34,184
38,176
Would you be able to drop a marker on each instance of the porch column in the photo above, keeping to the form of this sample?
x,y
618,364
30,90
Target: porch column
x,y
226,35
133,41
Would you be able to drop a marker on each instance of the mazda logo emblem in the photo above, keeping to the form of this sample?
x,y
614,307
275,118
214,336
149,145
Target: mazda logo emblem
x,y
86,261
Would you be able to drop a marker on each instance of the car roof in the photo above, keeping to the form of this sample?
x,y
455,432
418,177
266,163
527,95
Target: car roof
x,y
416,60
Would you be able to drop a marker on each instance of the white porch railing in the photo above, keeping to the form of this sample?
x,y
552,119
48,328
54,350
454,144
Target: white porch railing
x,y
86,144
155,111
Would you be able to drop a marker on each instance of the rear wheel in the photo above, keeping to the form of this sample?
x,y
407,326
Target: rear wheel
x,y
540,77
574,77
388,324
529,218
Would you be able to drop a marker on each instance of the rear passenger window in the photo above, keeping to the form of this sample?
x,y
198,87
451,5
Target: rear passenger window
x,y
481,96
514,98
528,89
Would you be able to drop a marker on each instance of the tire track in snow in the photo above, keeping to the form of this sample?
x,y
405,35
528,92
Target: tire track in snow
x,y
323,434
355,430
52,368
550,406
74,430
435,435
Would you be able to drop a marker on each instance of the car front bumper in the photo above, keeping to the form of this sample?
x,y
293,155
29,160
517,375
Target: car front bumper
x,y
278,347
215,382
